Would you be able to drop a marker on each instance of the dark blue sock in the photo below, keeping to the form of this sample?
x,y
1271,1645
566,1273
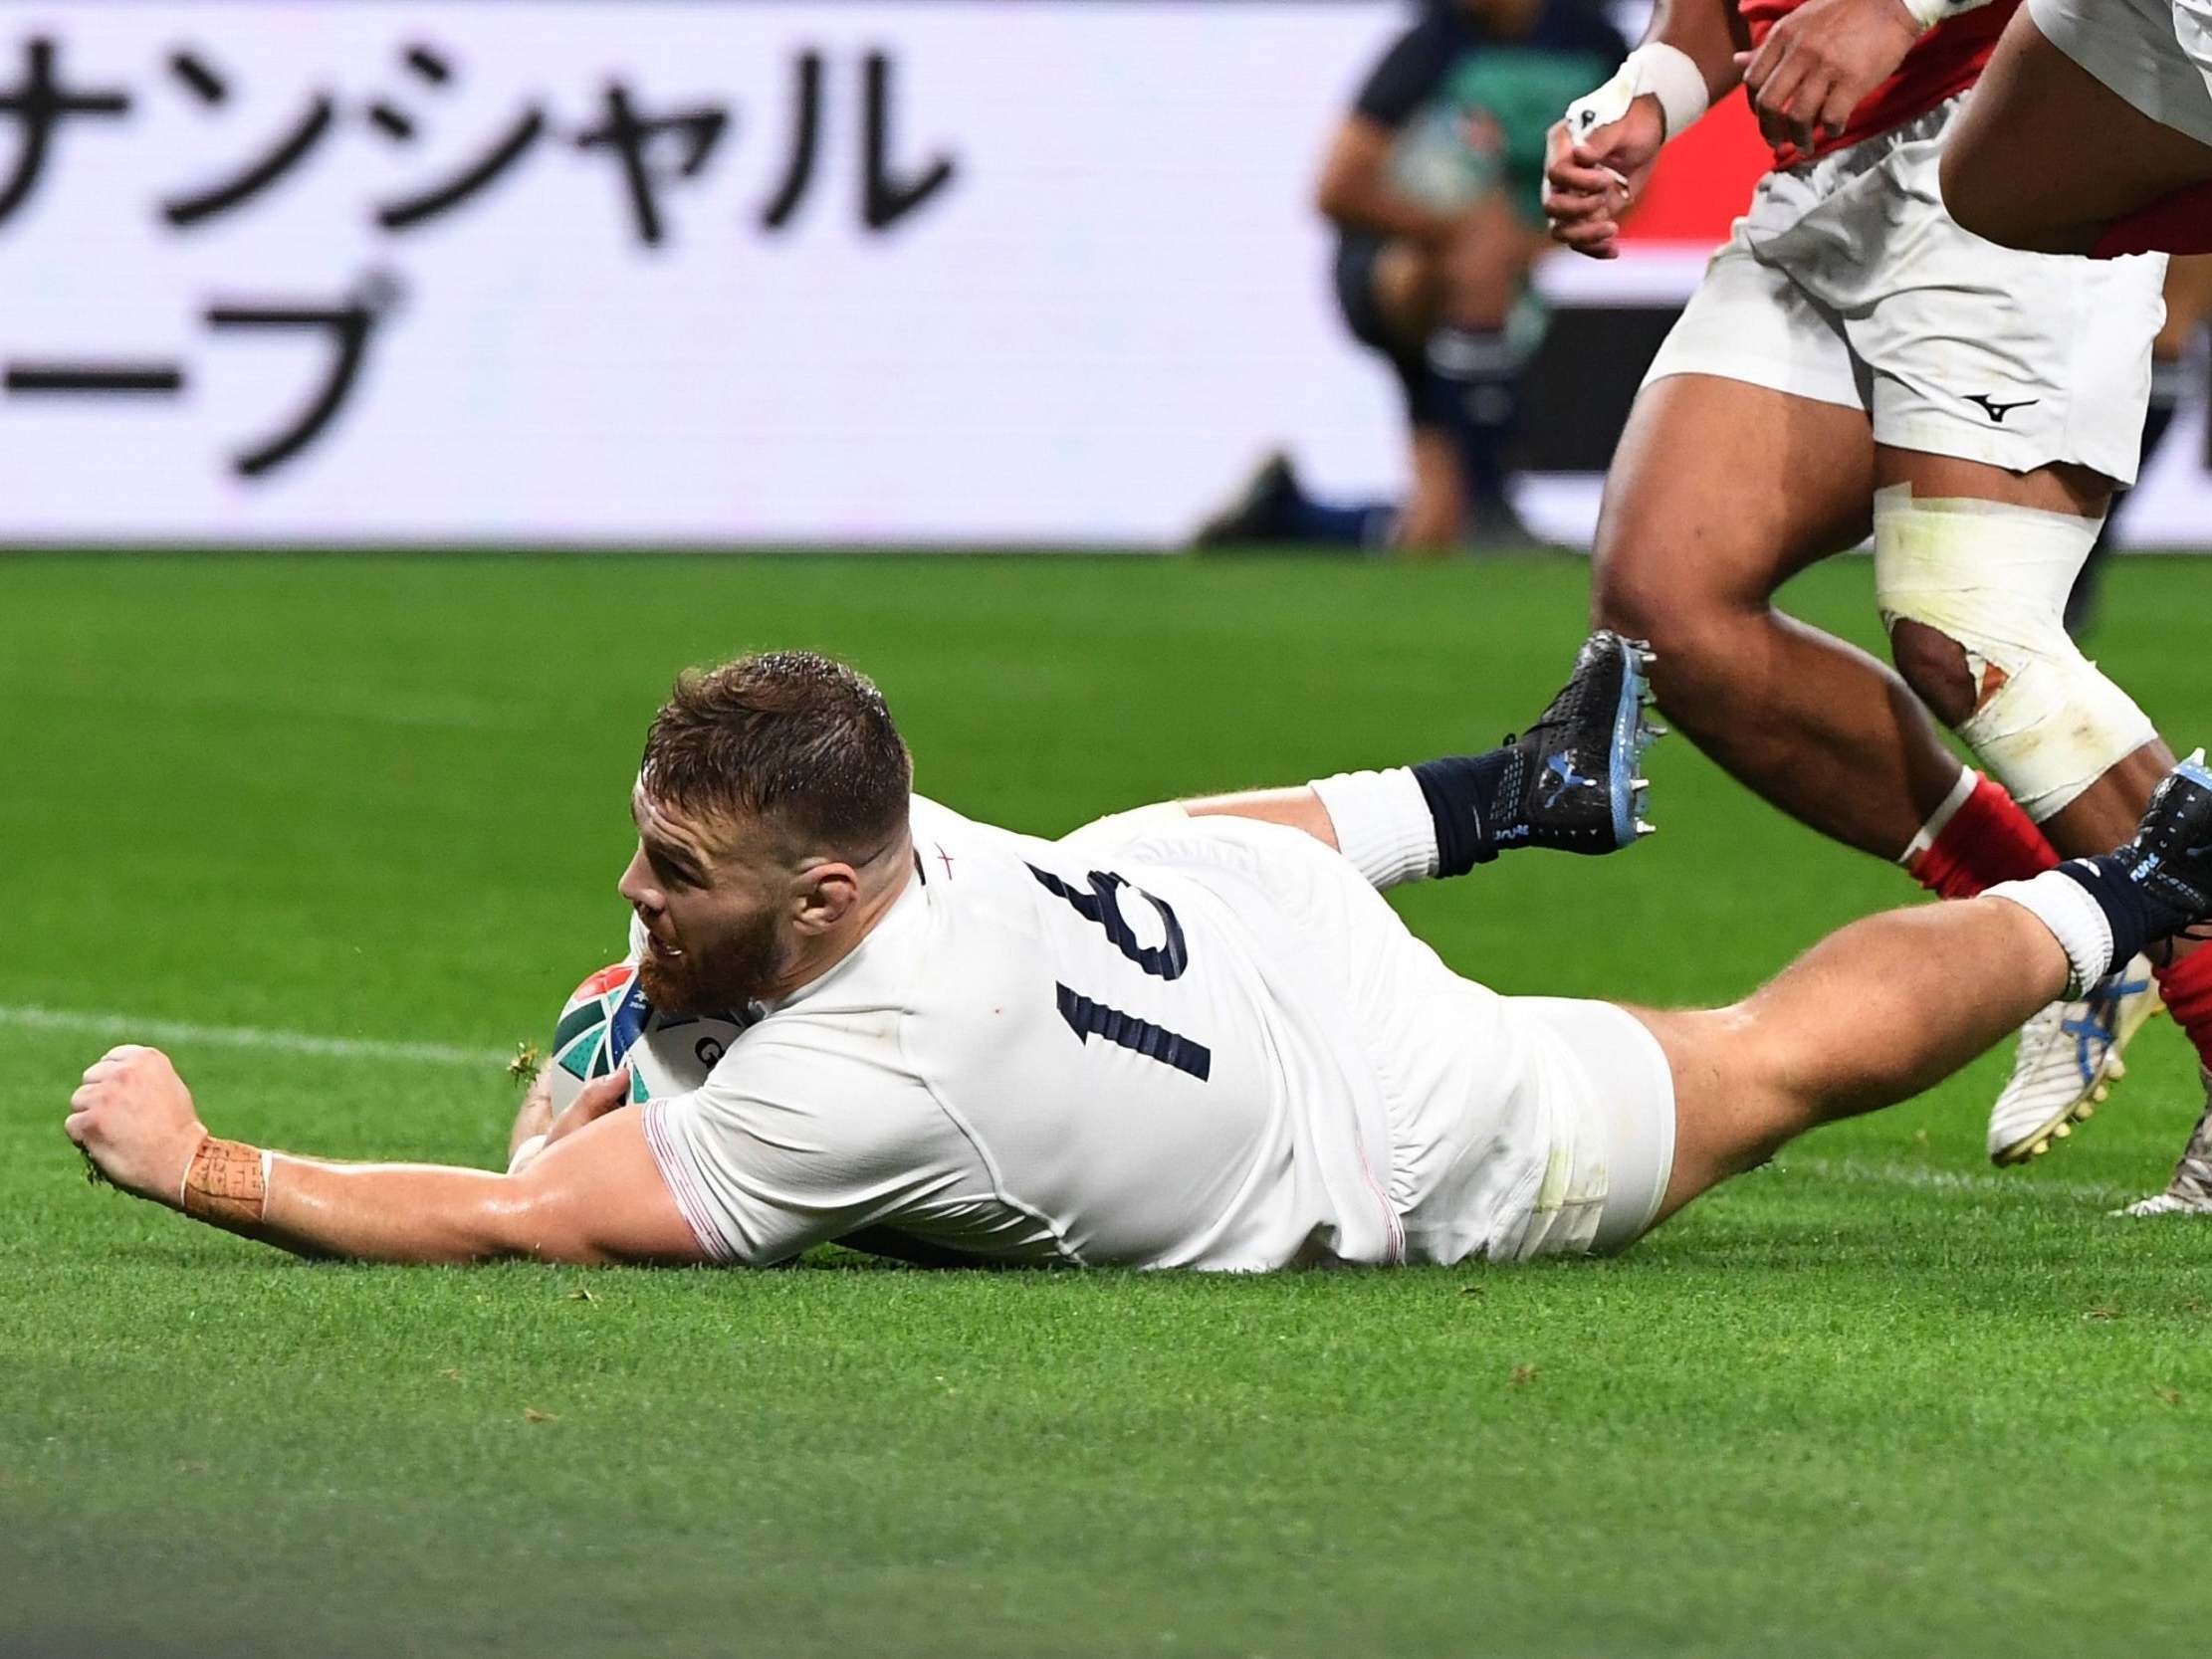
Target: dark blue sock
x,y
1353,525
2136,913
1475,391
1470,796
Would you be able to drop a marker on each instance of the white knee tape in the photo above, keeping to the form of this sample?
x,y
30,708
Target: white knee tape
x,y
1994,578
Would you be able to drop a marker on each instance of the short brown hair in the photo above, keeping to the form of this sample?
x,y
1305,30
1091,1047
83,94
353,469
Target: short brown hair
x,y
790,737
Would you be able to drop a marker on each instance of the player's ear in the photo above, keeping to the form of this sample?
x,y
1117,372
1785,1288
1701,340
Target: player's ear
x,y
827,893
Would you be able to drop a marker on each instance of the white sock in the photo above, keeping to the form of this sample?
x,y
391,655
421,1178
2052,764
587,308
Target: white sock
x,y
1383,824
2074,918
1968,780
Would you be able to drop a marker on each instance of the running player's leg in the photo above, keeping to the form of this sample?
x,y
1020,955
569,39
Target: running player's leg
x,y
1720,490
1994,603
1890,1005
1974,559
2046,155
2007,392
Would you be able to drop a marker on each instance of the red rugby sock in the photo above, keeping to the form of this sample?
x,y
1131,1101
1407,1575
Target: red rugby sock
x,y
2177,224
2186,984
1972,844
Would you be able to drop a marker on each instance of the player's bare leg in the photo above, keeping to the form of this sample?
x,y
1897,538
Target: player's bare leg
x,y
1720,493
1435,506
1890,1005
2046,156
1409,295
1973,566
1444,302
1871,1016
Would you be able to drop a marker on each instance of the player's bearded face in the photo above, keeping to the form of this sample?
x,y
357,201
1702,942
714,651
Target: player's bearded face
x,y
714,939
717,972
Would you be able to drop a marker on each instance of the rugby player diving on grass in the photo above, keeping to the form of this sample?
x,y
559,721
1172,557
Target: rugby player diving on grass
x,y
1193,1035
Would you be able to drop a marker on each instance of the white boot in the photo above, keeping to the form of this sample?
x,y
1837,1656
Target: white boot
x,y
2068,1061
2190,1190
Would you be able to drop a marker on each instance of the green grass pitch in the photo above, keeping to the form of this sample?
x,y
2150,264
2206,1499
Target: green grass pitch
x,y
1876,1399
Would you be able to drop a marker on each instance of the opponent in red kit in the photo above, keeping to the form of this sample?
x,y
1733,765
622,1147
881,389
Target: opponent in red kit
x,y
2092,132
1855,362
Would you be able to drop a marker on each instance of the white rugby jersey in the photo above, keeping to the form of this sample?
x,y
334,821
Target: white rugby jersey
x,y
1157,1054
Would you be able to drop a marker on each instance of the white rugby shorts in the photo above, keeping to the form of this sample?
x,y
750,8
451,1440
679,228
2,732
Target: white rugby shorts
x,y
1608,1091
1847,283
2155,54
1518,1127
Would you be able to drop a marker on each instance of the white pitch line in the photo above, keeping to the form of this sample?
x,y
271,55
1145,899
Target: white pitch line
x,y
1862,1173
131,1028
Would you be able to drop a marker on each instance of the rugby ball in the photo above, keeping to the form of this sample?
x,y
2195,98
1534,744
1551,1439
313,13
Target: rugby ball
x,y
608,1021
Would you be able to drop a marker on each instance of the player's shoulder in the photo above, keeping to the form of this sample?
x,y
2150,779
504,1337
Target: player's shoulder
x,y
1411,68
1442,36
943,838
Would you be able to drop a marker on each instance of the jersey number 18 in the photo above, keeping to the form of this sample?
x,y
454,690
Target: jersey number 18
x,y
1100,904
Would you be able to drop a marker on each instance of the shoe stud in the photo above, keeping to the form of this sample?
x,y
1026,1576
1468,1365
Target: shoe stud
x,y
1642,829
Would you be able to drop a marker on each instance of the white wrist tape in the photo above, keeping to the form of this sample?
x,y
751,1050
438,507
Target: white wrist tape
x,y
526,1151
1929,13
1667,73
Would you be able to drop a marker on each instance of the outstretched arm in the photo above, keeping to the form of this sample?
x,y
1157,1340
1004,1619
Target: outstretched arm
x,y
594,1194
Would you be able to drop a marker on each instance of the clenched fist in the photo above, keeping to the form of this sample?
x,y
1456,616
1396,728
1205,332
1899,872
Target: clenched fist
x,y
134,1118
1590,181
